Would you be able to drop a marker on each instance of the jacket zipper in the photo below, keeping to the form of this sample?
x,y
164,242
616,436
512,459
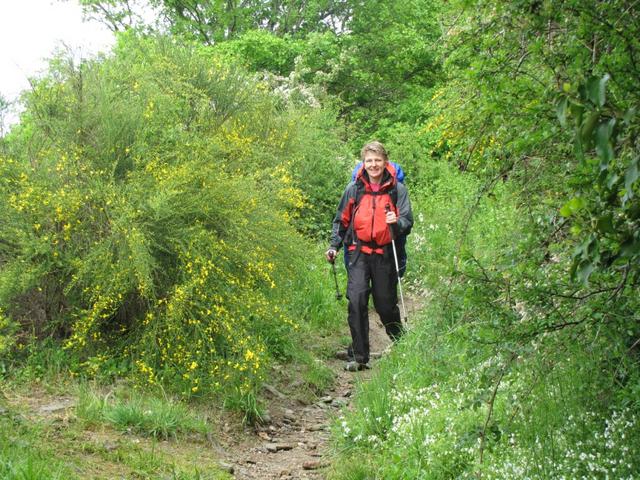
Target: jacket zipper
x,y
373,217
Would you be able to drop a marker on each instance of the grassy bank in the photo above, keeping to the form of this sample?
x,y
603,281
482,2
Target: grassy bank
x,y
492,381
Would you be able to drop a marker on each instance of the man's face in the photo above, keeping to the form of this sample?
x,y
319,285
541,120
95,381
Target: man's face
x,y
374,164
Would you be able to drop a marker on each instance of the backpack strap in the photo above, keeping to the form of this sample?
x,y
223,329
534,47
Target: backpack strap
x,y
360,191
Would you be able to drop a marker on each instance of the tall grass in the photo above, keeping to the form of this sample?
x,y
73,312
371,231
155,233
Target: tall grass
x,y
153,416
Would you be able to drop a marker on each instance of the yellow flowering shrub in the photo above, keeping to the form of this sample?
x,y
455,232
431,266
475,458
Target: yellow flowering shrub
x,y
153,205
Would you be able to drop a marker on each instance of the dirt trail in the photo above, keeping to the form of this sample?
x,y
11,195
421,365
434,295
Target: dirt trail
x,y
295,444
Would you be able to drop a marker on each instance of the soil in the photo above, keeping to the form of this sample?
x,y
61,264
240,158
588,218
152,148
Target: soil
x,y
295,444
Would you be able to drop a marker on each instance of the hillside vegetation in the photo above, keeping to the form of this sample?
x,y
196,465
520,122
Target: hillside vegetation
x,y
167,206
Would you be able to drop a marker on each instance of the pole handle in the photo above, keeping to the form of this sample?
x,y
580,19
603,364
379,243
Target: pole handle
x,y
392,227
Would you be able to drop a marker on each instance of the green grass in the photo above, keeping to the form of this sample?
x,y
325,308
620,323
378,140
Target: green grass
x,y
117,433
22,457
160,418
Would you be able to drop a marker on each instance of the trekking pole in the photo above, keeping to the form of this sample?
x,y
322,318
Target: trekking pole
x,y
335,279
387,209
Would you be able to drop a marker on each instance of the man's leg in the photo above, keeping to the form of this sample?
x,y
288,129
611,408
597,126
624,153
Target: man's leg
x,y
358,294
384,282
347,354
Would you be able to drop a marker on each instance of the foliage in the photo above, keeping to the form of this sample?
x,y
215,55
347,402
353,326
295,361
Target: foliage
x,y
115,14
262,50
486,383
210,21
376,59
149,200
530,371
607,217
517,123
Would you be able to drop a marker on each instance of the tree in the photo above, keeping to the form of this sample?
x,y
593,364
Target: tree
x,y
117,15
213,21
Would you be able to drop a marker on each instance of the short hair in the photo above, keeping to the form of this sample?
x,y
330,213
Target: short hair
x,y
375,147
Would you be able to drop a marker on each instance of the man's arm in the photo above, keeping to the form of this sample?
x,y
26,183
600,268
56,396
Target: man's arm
x,y
405,214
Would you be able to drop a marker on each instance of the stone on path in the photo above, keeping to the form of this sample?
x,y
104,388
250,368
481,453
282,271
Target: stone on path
x,y
273,391
313,465
315,428
265,418
276,447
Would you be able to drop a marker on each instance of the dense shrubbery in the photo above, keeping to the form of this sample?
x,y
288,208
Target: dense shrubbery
x,y
525,364
149,199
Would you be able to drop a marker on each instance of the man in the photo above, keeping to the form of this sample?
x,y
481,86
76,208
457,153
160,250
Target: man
x,y
370,208
401,240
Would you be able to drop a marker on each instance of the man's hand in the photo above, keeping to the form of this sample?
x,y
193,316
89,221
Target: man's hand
x,y
331,255
391,217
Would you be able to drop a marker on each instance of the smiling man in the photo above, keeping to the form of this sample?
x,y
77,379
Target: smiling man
x,y
373,209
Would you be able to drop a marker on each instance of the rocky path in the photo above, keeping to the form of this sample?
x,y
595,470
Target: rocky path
x,y
295,444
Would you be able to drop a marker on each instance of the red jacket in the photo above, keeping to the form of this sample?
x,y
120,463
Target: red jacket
x,y
367,210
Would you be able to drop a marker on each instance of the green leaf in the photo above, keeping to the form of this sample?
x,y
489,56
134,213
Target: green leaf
x,y
577,111
596,88
574,267
631,175
561,111
628,115
572,206
584,271
604,148
588,126
634,211
578,150
630,248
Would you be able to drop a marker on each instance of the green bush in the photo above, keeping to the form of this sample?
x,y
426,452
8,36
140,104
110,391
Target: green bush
x,y
150,198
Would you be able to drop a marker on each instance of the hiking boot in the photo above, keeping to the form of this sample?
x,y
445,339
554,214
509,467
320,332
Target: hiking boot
x,y
356,366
